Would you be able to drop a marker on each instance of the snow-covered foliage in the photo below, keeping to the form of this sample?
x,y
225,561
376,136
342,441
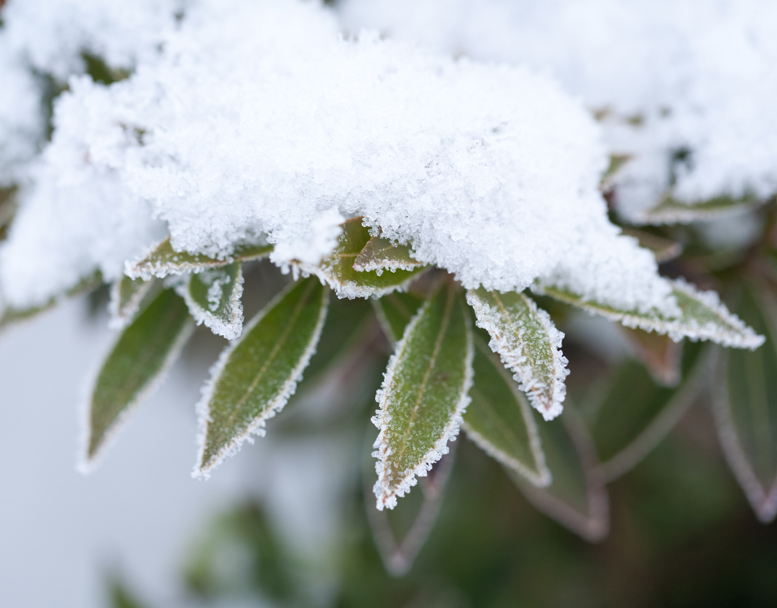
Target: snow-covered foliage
x,y
258,118
674,75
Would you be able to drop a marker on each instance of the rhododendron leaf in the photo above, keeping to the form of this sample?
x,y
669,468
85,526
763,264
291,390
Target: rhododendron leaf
x,y
658,353
126,296
745,404
163,260
663,249
528,344
257,374
635,414
337,270
394,312
672,211
424,393
499,418
380,254
702,316
213,297
577,496
137,362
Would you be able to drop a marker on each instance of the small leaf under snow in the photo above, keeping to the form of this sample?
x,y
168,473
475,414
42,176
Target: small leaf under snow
x,y
394,312
499,418
126,296
213,297
658,353
256,375
380,254
577,496
337,270
163,260
663,249
635,414
617,162
7,210
702,316
424,393
745,404
137,362
528,344
672,211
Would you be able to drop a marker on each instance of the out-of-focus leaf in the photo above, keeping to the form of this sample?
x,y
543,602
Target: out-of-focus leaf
x,y
635,414
617,162
137,362
577,496
424,392
7,210
257,374
213,297
122,597
394,311
672,211
745,403
663,249
702,316
162,260
658,352
126,296
499,419
528,344
337,270
380,254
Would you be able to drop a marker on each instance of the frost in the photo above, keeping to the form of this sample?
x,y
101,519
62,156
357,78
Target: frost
x,y
259,118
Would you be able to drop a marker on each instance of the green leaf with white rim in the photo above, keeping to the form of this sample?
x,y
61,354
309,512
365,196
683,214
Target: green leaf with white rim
x,y
702,316
635,413
213,297
337,270
380,254
163,260
424,393
499,418
394,312
577,496
745,403
257,374
126,297
144,351
672,211
528,344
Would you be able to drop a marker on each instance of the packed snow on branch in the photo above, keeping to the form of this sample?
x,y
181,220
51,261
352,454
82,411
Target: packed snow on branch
x,y
691,76
257,119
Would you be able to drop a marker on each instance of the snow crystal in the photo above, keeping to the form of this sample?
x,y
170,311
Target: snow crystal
x,y
258,117
674,75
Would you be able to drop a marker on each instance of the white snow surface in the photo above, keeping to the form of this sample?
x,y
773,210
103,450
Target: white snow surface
x,y
256,116
702,75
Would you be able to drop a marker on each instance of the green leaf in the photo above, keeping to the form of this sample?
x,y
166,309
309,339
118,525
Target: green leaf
x,y
424,393
745,404
663,249
617,162
702,316
394,312
577,495
7,210
528,344
257,374
126,296
213,297
658,353
672,211
380,254
337,270
162,260
499,418
137,362
635,414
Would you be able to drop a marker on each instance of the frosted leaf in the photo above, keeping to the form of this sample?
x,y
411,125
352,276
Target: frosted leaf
x,y
672,211
663,249
527,342
136,364
162,260
701,316
424,393
213,297
255,376
499,419
126,296
745,404
381,254
394,312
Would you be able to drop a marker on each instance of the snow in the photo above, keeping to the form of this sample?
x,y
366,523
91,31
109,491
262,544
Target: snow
x,y
259,118
699,75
